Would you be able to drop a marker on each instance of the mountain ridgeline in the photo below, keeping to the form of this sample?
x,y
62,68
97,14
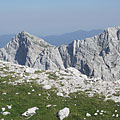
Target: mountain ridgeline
x,y
98,56
67,38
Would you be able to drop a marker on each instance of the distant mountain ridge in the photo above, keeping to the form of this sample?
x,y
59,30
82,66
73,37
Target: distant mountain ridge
x,y
56,40
97,56
67,38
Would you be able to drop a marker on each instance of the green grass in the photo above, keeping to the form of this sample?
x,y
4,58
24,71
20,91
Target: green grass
x,y
39,71
23,101
52,75
79,103
27,74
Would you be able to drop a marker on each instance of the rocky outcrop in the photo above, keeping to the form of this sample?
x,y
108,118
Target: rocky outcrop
x,y
26,49
98,56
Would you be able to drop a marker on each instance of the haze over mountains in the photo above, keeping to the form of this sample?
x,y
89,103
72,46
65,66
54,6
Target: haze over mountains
x,y
4,39
67,38
56,40
97,56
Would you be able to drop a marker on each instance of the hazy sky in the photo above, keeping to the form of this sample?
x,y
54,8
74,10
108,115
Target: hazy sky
x,y
57,16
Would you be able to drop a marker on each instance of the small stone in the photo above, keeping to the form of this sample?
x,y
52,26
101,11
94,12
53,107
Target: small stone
x,y
60,94
33,90
9,106
29,93
3,109
117,115
88,114
48,106
101,113
6,113
47,87
115,110
113,115
97,111
63,113
30,112
95,114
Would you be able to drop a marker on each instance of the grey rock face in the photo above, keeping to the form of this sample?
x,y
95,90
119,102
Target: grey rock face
x,y
98,56
26,49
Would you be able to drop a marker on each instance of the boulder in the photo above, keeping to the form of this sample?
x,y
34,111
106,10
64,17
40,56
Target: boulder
x,y
63,113
30,112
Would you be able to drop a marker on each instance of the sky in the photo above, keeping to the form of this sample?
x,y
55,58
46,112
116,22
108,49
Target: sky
x,y
47,17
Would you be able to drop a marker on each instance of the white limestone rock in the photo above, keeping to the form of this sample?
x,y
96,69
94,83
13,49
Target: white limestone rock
x,y
3,109
64,113
29,70
47,87
6,113
48,105
9,106
88,115
30,112
60,94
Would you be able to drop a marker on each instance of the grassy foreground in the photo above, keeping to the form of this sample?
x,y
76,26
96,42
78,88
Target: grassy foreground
x,y
28,95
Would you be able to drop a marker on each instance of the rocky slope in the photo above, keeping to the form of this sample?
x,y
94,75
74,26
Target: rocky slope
x,y
98,56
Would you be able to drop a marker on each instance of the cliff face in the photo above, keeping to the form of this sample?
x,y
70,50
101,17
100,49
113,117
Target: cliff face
x,y
98,56
26,49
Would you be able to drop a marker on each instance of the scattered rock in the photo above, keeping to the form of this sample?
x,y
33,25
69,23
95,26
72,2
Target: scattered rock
x,y
95,114
3,109
47,87
29,70
60,94
6,113
63,113
48,106
30,112
9,106
88,115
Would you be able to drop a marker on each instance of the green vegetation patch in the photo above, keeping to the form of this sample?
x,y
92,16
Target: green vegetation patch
x,y
28,95
52,75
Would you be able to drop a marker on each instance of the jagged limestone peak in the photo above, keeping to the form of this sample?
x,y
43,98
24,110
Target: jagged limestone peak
x,y
97,56
112,29
113,32
29,50
25,35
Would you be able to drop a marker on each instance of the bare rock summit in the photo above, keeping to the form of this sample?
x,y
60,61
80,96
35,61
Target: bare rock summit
x,y
98,56
26,49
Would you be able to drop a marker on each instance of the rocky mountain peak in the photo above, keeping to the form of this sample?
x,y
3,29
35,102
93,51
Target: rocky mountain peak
x,y
112,29
112,32
29,50
98,56
23,33
25,36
